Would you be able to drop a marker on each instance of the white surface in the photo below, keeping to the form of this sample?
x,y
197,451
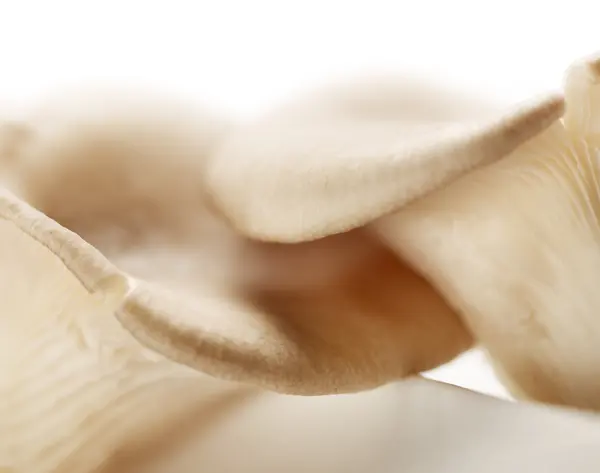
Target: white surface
x,y
245,54
472,371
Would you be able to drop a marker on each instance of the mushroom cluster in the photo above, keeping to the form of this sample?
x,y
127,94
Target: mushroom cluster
x,y
355,237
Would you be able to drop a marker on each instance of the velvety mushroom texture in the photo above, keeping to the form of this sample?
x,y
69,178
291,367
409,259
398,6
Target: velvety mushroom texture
x,y
337,244
79,393
304,181
180,200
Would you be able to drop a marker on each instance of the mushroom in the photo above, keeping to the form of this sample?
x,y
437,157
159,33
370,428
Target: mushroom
x,y
321,178
292,286
80,395
343,242
513,247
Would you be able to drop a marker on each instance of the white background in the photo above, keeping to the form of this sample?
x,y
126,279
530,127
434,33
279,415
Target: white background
x,y
246,55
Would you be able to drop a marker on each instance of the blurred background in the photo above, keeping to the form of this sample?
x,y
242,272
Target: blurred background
x,y
243,56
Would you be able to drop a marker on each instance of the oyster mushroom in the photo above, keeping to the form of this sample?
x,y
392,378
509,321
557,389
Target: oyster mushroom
x,y
75,387
514,248
78,388
284,285
368,324
80,395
